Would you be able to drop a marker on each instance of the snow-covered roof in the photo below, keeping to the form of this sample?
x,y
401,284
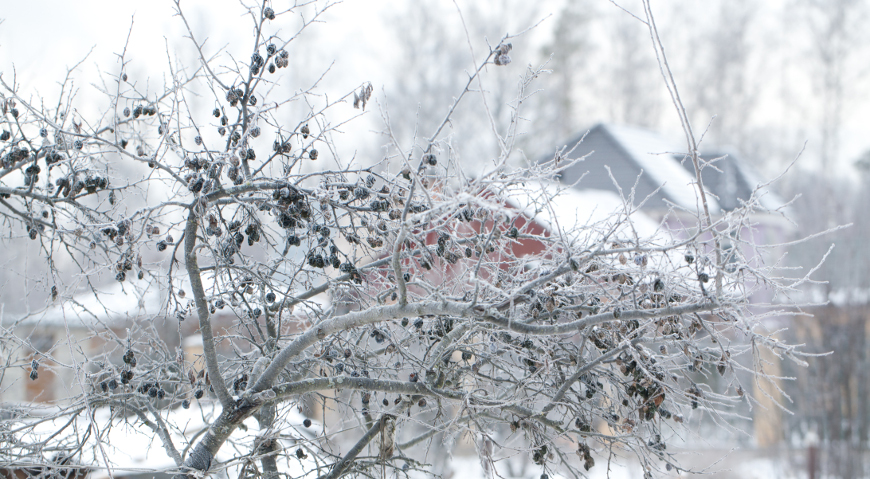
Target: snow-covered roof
x,y
842,298
555,206
636,161
131,448
115,304
734,180
654,155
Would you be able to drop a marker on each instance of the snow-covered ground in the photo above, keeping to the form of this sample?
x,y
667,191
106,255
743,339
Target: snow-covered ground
x,y
714,464
470,468
127,447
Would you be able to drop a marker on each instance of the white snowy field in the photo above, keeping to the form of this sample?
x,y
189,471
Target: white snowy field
x,y
719,465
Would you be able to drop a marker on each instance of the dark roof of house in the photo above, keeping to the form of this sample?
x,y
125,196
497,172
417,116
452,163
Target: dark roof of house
x,y
646,161
730,177
636,158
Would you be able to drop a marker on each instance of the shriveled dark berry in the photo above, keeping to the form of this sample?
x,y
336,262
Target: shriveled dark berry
x,y
270,297
316,261
198,394
152,392
34,375
216,113
197,185
269,13
185,404
306,422
113,384
161,393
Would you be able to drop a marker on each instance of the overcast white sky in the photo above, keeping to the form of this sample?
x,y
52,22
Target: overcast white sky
x,y
41,38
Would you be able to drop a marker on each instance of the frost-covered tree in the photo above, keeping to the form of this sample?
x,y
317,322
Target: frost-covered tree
x,y
408,301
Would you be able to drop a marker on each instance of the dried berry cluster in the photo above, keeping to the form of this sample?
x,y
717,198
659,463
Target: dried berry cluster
x,y
34,367
500,54
140,110
15,155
